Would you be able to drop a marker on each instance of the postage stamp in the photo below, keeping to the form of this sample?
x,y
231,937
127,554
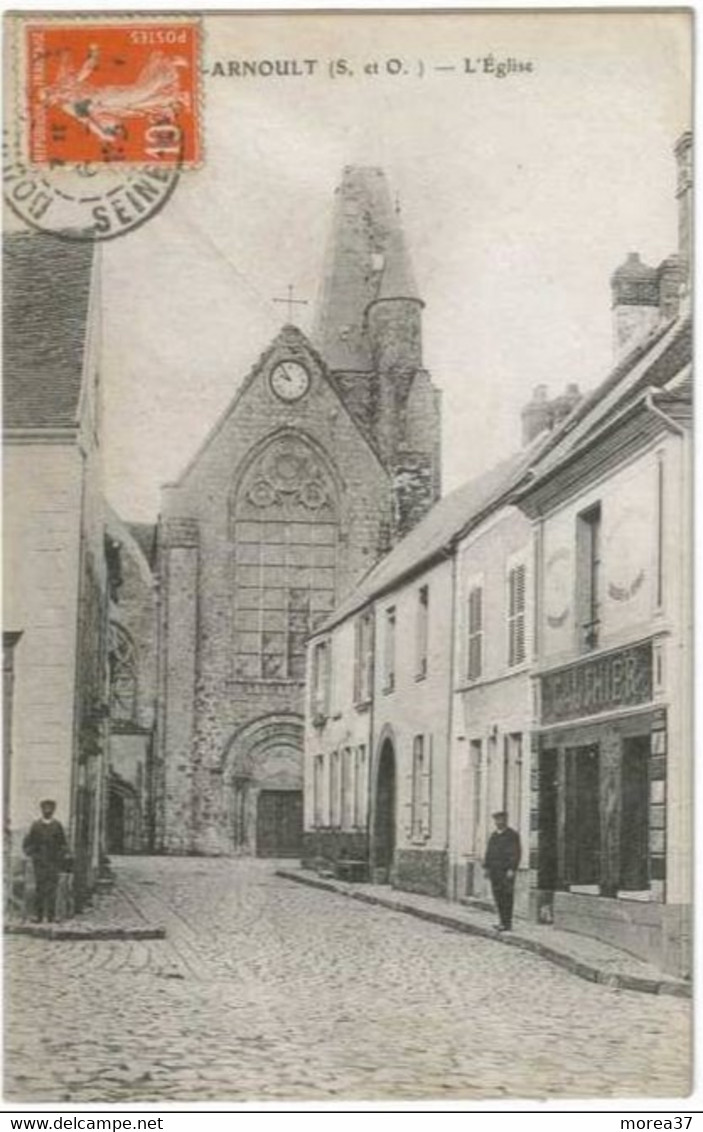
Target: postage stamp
x,y
121,92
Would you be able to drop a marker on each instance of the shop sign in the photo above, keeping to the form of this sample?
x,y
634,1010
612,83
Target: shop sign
x,y
618,680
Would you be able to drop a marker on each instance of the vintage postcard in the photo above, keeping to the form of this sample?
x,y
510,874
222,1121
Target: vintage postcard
x,y
348,557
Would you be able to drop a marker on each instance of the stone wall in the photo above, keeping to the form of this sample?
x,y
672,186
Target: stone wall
x,y
329,845
421,870
206,703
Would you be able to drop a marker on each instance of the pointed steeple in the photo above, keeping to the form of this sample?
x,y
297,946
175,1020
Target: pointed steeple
x,y
366,261
397,280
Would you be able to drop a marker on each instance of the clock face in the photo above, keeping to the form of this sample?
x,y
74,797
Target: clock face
x,y
290,381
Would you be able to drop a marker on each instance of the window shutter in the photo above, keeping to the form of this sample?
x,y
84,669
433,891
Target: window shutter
x,y
357,660
426,804
516,615
408,806
326,676
475,632
368,658
520,643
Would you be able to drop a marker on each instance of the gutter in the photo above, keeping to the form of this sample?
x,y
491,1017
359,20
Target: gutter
x,y
670,423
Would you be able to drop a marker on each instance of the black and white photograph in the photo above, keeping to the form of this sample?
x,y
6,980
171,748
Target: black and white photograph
x,y
348,558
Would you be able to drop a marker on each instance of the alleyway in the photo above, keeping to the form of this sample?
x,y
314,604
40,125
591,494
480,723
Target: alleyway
x,y
268,990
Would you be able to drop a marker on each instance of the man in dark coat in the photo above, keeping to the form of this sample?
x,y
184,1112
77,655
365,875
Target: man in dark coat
x,y
501,862
46,845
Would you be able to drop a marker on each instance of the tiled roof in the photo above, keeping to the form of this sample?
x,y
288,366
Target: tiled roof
x,y
450,518
46,288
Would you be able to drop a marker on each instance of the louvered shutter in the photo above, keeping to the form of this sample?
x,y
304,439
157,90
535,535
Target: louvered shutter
x,y
426,792
475,632
368,657
408,804
357,660
520,651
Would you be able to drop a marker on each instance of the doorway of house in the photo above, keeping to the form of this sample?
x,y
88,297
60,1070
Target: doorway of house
x,y
279,823
582,817
384,815
548,867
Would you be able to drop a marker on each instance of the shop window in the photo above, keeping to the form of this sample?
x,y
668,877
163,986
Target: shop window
x,y
588,578
475,633
634,823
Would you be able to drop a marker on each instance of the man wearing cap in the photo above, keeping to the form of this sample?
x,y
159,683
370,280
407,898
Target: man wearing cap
x,y
46,845
501,862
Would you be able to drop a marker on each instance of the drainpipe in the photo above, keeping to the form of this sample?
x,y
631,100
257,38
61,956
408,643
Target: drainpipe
x,y
670,423
450,768
371,755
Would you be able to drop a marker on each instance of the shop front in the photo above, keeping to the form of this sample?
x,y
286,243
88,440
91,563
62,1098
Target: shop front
x,y
599,800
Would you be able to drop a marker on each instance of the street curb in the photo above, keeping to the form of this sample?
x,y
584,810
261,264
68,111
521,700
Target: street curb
x,y
58,933
544,951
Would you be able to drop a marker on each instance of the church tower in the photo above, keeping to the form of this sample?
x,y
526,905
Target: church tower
x,y
369,332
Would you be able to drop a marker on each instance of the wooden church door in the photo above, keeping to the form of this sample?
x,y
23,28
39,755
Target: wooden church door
x,y
279,823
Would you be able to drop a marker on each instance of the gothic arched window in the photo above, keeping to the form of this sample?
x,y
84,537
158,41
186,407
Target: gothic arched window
x,y
123,674
285,549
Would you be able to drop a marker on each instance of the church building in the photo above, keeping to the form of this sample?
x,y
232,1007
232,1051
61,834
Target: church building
x,y
327,454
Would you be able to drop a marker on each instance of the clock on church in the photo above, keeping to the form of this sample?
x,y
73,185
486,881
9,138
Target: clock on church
x,y
290,380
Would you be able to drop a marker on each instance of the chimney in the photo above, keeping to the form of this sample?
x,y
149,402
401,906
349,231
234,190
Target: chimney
x,y
562,405
635,289
536,415
684,193
671,276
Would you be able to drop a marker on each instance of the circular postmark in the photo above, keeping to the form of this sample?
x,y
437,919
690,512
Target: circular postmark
x,y
85,202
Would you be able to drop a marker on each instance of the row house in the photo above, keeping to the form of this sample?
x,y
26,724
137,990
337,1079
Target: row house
x,y
382,682
492,706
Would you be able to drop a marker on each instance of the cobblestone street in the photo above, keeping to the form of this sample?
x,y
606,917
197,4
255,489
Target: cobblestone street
x,y
268,990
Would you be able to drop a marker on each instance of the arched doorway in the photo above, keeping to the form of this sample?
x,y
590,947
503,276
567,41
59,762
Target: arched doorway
x,y
384,814
263,788
123,825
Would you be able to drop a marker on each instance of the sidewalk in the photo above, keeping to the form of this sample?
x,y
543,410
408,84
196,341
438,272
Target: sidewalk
x,y
582,956
114,915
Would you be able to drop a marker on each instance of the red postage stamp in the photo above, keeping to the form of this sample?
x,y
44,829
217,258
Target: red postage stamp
x,y
114,92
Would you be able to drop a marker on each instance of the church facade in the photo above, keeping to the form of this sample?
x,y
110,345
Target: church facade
x,y
327,454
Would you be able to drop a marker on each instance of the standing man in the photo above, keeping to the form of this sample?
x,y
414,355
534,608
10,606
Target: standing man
x,y
502,859
46,845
